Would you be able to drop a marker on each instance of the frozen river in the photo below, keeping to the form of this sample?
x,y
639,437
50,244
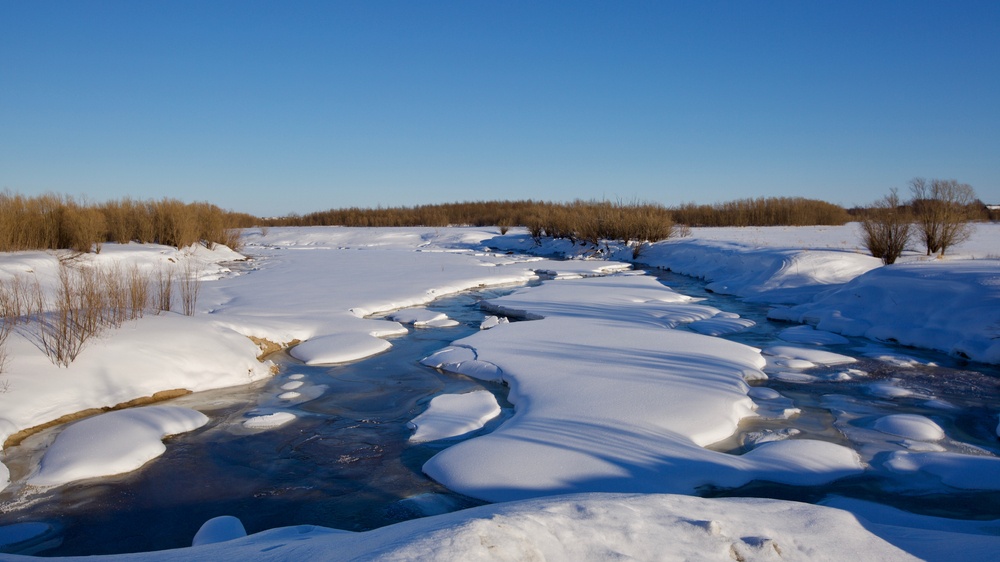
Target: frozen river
x,y
346,462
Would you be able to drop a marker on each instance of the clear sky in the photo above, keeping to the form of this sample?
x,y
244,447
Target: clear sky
x,y
279,107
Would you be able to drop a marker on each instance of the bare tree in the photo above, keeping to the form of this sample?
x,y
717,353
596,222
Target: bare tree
x,y
942,209
886,228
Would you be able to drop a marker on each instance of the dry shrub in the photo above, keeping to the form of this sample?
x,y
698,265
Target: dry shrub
x,y
51,222
943,210
138,292
87,301
886,228
164,289
190,285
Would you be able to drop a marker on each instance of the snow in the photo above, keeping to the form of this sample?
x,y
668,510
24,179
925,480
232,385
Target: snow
x,y
422,318
601,406
452,415
338,348
112,443
219,529
910,426
619,385
580,528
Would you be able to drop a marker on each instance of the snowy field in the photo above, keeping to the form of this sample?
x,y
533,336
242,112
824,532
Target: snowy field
x,y
620,386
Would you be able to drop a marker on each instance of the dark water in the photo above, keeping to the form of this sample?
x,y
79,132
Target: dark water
x,y
345,462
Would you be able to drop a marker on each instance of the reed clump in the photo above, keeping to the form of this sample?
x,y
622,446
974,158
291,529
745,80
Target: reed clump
x,y
53,222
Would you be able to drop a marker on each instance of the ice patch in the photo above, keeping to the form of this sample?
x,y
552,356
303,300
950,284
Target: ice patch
x,y
969,472
112,443
493,322
817,356
763,393
753,439
292,385
269,421
810,335
422,318
451,415
4,476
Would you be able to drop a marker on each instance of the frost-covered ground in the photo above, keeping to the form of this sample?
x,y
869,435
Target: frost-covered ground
x,y
608,398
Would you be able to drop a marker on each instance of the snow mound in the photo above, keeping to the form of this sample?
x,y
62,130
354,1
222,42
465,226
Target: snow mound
x,y
607,399
112,443
338,348
4,476
910,426
581,528
451,415
721,325
219,529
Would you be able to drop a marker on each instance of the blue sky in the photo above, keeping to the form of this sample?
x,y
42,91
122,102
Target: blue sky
x,y
278,107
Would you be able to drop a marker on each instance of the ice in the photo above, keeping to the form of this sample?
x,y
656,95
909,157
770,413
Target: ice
x,y
269,421
112,443
492,322
422,318
970,472
810,335
816,356
292,385
4,476
763,393
452,415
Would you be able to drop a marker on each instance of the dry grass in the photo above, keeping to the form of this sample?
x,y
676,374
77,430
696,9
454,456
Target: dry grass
x,y
50,222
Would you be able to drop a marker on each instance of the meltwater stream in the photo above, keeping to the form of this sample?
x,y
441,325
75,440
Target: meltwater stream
x,y
345,461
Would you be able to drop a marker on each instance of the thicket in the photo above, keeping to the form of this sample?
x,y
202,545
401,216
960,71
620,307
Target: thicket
x,y
86,302
51,222
763,211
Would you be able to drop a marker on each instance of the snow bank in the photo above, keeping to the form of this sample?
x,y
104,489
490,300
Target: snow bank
x,y
451,415
112,443
950,306
580,528
609,398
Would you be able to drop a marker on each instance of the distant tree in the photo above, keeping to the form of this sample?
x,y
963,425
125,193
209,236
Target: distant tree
x,y
942,210
886,228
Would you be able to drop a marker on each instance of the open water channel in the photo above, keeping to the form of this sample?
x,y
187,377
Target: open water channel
x,y
346,461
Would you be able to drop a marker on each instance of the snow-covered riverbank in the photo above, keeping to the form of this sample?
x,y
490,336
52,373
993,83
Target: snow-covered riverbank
x,y
608,398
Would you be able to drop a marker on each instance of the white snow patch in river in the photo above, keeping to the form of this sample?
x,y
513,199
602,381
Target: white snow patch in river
x,y
112,443
451,415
